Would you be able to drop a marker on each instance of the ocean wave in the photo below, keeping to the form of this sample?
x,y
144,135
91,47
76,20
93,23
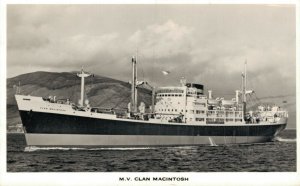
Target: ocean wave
x,y
284,139
34,148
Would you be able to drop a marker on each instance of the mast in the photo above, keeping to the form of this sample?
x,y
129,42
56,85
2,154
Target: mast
x,y
133,86
82,75
153,100
136,85
18,88
244,88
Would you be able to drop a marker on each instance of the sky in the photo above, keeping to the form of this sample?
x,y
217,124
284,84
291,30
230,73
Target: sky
x,y
206,44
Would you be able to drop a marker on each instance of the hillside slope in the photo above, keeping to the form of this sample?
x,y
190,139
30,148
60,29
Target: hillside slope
x,y
101,91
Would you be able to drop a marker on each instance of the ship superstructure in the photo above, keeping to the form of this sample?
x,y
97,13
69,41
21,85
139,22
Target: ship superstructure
x,y
179,115
188,104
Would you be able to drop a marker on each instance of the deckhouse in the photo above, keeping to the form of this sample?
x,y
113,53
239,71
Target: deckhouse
x,y
188,104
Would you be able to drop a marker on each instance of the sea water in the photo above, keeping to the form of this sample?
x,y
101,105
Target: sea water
x,y
276,156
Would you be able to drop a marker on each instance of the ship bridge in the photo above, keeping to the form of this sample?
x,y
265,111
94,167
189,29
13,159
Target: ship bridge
x,y
170,102
176,102
190,89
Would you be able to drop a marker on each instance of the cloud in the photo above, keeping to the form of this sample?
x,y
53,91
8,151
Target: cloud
x,y
38,50
205,44
162,40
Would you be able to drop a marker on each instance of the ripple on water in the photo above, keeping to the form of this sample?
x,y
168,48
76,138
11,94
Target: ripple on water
x,y
277,156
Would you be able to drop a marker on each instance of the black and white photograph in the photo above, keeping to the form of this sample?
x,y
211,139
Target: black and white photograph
x,y
150,88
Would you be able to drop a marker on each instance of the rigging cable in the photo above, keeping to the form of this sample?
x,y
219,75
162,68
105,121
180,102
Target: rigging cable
x,y
141,64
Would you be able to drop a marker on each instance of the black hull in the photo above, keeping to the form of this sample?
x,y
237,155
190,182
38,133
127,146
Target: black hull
x,y
49,123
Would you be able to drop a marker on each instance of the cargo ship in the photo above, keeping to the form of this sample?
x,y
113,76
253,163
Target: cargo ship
x,y
178,115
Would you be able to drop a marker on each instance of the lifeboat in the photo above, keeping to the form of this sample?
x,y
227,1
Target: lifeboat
x,y
227,102
213,102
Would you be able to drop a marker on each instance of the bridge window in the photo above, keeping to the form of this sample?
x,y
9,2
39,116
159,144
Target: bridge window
x,y
200,112
201,104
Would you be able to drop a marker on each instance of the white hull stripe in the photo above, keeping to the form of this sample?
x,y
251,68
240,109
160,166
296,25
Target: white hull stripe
x,y
136,140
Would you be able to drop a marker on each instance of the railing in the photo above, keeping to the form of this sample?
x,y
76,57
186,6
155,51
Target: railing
x,y
272,116
275,113
224,114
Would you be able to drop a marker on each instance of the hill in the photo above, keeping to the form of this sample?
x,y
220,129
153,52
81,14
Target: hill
x,y
101,91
